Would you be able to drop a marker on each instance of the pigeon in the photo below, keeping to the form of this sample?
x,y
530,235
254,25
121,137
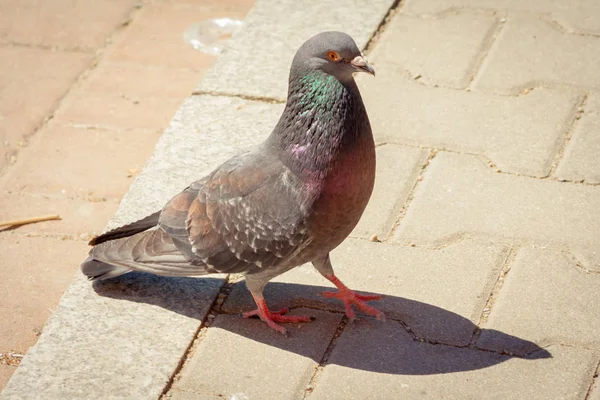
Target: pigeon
x,y
288,201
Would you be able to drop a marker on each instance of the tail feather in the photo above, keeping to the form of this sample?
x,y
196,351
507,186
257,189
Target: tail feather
x,y
95,269
151,251
127,230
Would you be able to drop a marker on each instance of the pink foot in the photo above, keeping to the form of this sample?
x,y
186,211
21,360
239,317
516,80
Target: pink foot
x,y
271,317
352,298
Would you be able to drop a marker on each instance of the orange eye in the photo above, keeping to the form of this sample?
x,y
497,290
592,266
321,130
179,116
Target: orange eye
x,y
333,56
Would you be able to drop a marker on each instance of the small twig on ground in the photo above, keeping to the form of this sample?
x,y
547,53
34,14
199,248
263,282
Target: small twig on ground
x,y
32,220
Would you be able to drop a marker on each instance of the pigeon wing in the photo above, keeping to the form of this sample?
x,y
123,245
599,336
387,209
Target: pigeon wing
x,y
249,214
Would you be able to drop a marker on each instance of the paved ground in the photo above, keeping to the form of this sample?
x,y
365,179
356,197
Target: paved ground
x,y
486,214
86,89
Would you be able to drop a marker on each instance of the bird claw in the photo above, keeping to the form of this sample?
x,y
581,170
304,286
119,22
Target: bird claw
x,y
271,317
349,298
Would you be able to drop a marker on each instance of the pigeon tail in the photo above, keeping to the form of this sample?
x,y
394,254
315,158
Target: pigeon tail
x,y
127,230
95,269
151,251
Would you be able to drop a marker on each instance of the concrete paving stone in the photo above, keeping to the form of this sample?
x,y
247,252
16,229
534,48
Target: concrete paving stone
x,y
79,216
156,35
256,361
579,16
32,81
205,132
62,23
442,51
55,163
530,52
125,338
439,294
461,196
385,363
247,67
580,161
520,134
397,170
116,111
547,298
595,388
35,273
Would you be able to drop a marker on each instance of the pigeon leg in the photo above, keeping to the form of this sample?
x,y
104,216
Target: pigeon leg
x,y
271,317
346,295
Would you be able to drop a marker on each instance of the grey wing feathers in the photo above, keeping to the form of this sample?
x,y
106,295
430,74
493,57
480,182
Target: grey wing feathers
x,y
246,216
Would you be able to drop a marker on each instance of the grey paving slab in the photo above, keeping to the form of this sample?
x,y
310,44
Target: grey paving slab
x,y
530,52
386,363
250,359
443,51
461,196
439,294
120,339
520,134
547,298
578,16
580,160
398,168
124,339
250,67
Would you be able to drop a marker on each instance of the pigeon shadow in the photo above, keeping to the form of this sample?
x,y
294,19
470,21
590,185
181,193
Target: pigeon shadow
x,y
417,338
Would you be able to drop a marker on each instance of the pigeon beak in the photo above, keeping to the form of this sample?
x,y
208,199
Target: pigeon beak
x,y
361,64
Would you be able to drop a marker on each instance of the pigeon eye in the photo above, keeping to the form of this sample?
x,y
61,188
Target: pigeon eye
x,y
333,56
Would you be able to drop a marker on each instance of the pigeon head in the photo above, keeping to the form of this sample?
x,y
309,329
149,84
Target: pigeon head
x,y
334,53
324,115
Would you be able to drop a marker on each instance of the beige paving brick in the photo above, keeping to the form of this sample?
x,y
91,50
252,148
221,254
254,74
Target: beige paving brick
x,y
116,111
31,83
62,23
439,294
531,52
579,16
461,196
547,298
89,163
520,134
397,170
256,361
35,272
386,363
80,218
443,51
156,35
580,161
141,81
